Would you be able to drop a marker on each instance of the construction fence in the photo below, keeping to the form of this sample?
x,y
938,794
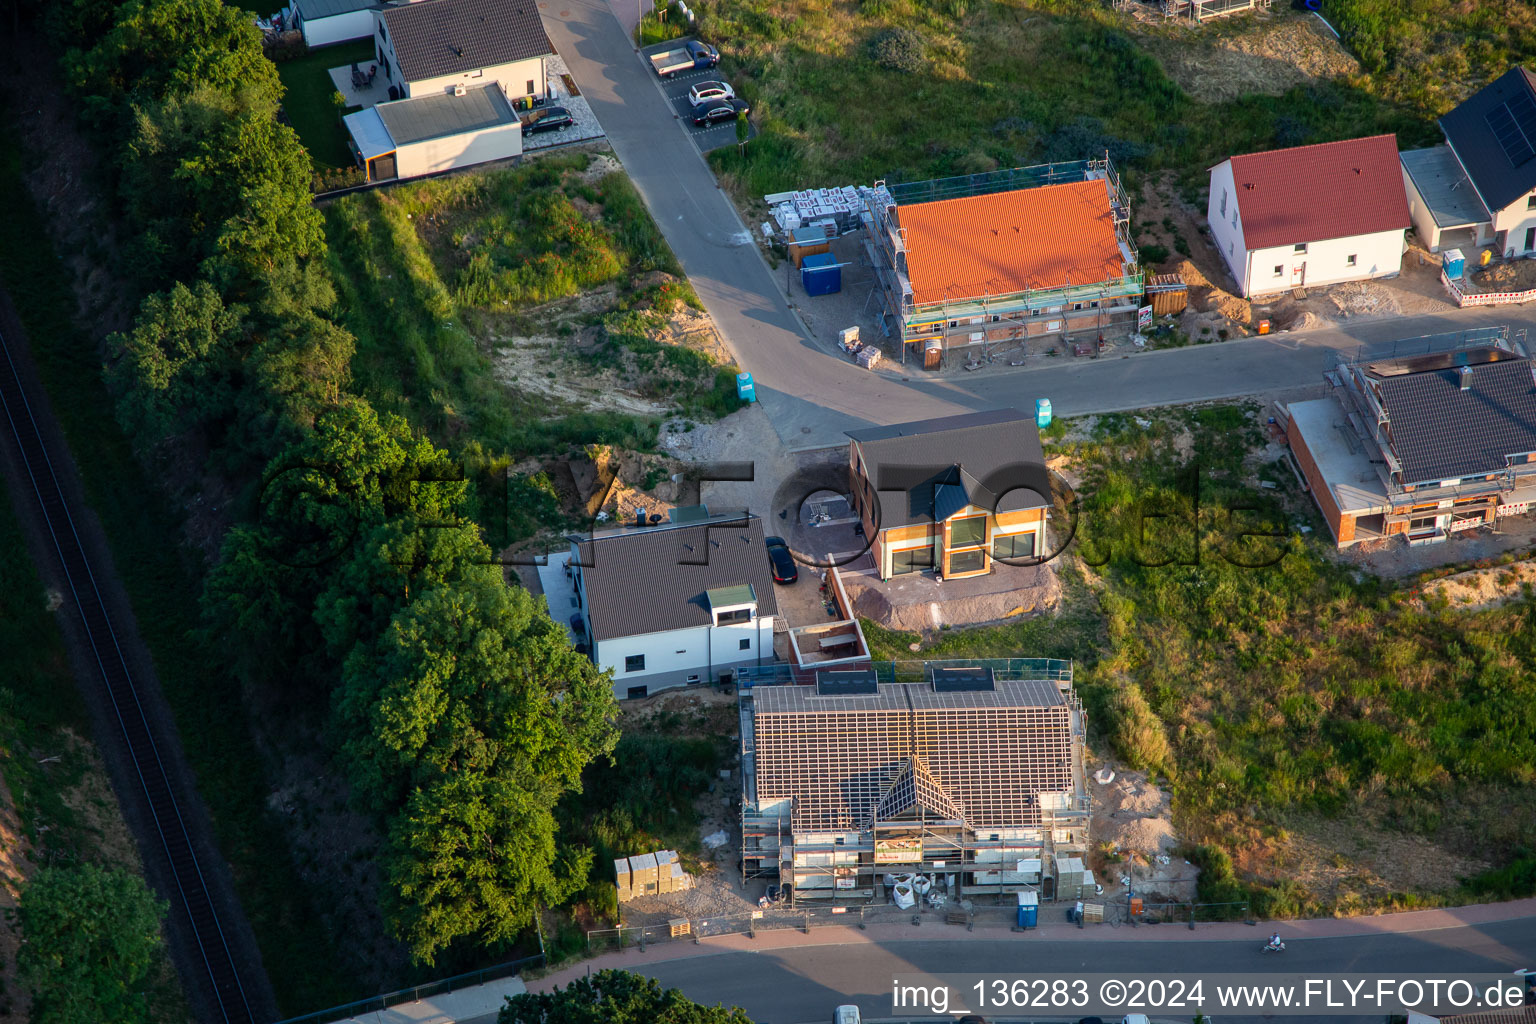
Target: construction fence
x,y
1115,914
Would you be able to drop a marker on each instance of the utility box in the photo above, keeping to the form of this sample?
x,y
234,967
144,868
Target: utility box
x,y
806,241
1029,909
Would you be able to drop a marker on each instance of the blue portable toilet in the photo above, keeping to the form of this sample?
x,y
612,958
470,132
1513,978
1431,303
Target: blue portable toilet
x,y
1029,909
821,274
1455,263
745,389
1042,412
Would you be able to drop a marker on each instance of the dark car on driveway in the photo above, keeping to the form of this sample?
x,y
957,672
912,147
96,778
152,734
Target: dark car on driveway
x,y
549,119
718,110
784,570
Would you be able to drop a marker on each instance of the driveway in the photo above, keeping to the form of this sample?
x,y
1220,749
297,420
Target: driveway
x,y
810,394
810,397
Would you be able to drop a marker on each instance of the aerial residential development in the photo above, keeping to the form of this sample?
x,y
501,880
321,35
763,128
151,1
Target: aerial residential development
x,y
735,512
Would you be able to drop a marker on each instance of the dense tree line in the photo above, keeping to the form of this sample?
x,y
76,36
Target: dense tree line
x,y
357,583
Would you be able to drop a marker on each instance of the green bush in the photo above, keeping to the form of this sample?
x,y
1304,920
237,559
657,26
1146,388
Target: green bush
x,y
898,49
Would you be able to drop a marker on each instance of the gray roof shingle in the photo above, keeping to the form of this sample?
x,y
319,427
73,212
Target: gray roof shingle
x,y
449,37
1440,432
1499,180
653,579
991,459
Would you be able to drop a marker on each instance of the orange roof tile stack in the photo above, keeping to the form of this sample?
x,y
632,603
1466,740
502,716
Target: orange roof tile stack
x,y
1046,237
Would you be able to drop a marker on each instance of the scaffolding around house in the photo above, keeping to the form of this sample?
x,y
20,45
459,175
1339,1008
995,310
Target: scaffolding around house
x,y
980,794
961,321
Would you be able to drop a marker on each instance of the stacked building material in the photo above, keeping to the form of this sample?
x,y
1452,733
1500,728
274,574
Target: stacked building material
x,y
835,210
650,874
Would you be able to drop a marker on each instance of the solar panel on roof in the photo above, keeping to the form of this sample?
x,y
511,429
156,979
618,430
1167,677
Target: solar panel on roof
x,y
847,684
962,680
1513,123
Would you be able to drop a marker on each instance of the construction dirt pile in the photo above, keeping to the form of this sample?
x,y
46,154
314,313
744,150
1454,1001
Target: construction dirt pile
x,y
1362,298
919,604
1205,297
1512,276
1132,816
1274,57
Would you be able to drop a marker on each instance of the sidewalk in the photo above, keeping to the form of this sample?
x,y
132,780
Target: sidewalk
x,y
478,1003
1051,931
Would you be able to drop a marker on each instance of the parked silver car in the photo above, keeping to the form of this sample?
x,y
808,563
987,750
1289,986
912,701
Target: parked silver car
x,y
702,91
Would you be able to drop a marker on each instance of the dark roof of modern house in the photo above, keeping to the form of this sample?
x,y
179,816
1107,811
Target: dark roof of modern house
x,y
989,459
313,9
657,578
1313,193
1442,432
1494,135
448,37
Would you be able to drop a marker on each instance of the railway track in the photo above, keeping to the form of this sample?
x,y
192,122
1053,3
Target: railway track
x,y
192,897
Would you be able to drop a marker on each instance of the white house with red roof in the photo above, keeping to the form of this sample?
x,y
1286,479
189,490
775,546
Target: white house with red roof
x,y
1310,215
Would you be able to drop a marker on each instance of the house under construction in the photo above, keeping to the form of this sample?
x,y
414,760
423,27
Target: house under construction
x,y
1206,10
973,779
999,257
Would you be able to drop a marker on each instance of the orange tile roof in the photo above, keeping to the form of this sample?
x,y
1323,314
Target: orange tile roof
x,y
1045,237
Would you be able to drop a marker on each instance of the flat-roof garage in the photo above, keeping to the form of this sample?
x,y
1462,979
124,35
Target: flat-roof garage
x,y
425,134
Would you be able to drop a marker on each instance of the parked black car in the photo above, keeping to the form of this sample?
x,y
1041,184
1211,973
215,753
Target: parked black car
x,y
550,119
717,110
784,570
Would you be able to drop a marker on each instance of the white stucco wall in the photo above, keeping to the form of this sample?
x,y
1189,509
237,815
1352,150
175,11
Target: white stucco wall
x,y
1379,254
673,656
465,150
1418,212
513,79
338,28
1226,226
1517,220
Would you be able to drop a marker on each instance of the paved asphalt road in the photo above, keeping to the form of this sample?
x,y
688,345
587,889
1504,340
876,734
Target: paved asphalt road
x,y
811,395
802,984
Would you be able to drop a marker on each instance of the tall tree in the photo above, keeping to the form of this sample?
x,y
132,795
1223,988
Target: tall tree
x,y
159,47
474,714
614,997
354,472
90,937
174,369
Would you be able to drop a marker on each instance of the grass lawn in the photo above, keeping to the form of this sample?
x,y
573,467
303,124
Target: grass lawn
x,y
433,275
163,583
1266,681
849,91
307,100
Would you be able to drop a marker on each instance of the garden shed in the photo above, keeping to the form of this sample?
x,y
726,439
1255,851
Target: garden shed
x,y
408,138
324,22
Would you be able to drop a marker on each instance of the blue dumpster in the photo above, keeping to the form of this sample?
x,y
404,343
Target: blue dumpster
x,y
1042,412
821,274
1029,909
745,389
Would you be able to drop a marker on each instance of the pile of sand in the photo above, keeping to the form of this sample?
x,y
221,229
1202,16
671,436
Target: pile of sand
x,y
1132,816
1477,589
1363,298
1205,297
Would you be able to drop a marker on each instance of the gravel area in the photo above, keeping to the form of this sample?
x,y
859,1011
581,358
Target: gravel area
x,y
585,126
